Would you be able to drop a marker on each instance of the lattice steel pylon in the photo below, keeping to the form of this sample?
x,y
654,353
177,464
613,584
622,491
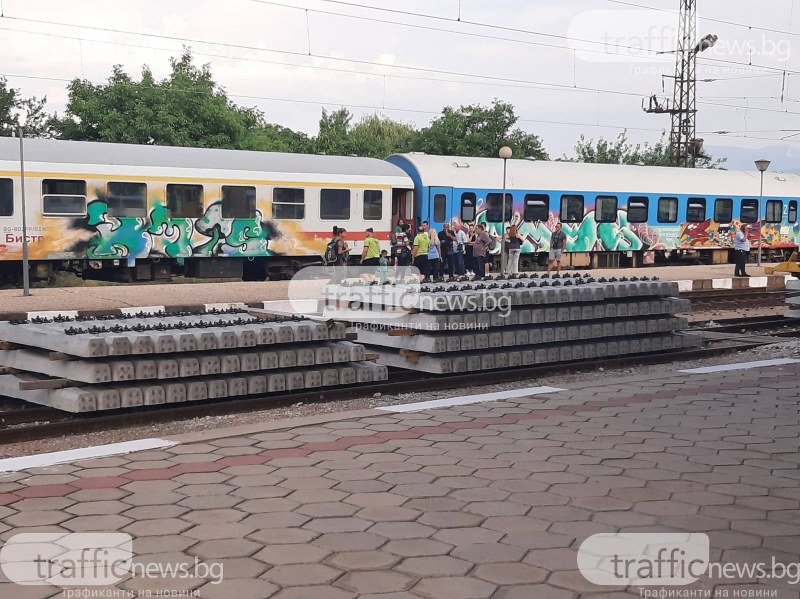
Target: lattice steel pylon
x,y
684,99
685,148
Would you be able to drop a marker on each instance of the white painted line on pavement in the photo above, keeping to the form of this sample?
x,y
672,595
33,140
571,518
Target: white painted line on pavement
x,y
721,283
741,366
136,310
85,453
226,306
685,285
758,281
466,400
53,314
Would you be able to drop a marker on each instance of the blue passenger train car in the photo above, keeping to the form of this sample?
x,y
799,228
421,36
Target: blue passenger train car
x,y
608,212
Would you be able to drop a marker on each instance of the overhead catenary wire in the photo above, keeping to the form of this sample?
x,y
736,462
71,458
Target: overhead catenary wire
x,y
487,79
701,17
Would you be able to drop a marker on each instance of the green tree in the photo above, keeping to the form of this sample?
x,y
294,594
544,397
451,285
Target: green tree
x,y
373,135
187,108
378,137
477,130
621,151
334,132
14,110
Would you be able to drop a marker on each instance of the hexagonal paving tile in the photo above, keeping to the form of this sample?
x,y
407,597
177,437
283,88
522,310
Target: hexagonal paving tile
x,y
214,516
402,530
220,530
349,541
418,547
441,565
224,548
241,588
375,582
36,518
376,499
350,561
454,587
97,523
487,553
510,573
301,574
165,526
292,554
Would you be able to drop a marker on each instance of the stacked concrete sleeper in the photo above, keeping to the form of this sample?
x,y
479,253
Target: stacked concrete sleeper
x,y
166,358
578,319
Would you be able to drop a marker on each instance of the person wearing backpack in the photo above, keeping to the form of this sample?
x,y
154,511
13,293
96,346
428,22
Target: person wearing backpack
x,y
337,250
336,253
483,243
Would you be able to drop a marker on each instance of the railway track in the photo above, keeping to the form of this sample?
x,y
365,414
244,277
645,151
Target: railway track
x,y
38,423
31,423
734,298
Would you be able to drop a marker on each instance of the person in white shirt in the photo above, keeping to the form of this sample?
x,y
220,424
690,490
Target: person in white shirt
x,y
459,248
741,246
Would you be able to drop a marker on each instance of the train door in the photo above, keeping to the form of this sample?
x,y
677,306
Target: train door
x,y
402,206
439,205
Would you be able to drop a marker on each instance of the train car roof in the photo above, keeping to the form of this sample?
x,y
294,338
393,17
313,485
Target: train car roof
x,y
114,154
487,173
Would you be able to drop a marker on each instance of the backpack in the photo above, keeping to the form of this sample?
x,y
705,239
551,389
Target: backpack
x,y
331,252
492,244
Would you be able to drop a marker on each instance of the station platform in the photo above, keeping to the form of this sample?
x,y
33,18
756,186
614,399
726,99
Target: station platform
x,y
471,497
96,297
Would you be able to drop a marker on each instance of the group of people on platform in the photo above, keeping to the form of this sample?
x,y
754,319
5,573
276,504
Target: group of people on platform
x,y
451,252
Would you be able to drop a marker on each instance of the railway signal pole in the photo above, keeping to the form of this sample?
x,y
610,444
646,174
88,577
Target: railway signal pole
x,y
685,148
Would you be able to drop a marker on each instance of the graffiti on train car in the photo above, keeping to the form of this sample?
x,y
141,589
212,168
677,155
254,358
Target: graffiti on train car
x,y
588,235
160,234
713,234
584,236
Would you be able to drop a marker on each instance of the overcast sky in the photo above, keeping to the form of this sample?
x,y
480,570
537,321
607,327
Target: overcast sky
x,y
569,68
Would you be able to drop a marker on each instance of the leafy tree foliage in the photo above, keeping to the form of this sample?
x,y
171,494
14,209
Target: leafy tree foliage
x,y
621,151
373,135
477,130
187,108
16,110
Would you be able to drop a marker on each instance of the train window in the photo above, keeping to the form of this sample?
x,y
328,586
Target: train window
x,y
667,210
792,211
185,201
537,207
6,197
238,201
749,211
373,204
571,208
696,210
288,203
468,202
127,200
494,207
723,210
774,211
605,209
439,208
638,207
63,196
334,204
